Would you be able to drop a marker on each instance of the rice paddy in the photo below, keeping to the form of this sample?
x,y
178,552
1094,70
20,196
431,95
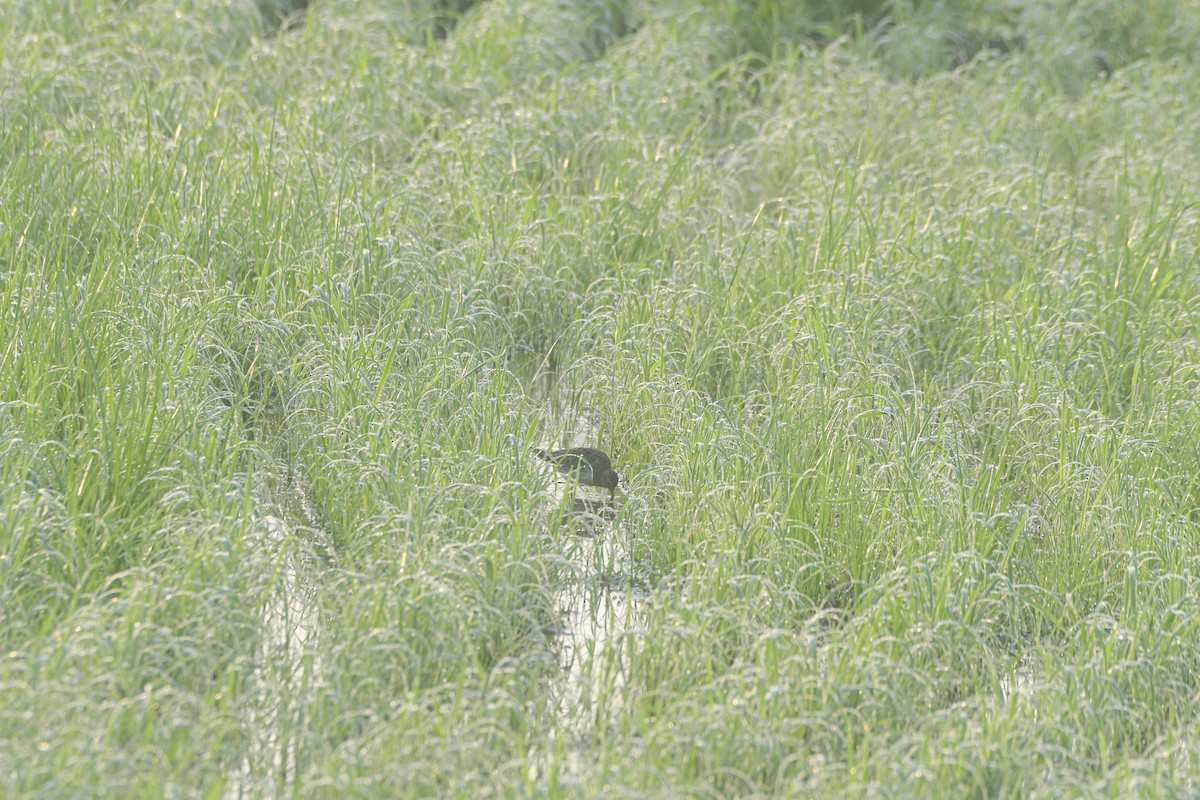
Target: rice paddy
x,y
886,312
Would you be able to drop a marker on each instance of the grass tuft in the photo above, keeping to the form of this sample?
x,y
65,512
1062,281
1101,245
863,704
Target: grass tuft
x,y
885,311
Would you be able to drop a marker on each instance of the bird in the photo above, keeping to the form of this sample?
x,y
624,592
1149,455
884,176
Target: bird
x,y
587,465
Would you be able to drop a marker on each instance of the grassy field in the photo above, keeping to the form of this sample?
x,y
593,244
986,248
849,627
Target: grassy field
x,y
887,312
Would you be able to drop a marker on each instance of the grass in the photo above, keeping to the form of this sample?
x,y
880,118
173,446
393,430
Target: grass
x,y
887,313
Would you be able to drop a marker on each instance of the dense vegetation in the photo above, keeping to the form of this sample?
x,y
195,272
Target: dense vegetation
x,y
887,312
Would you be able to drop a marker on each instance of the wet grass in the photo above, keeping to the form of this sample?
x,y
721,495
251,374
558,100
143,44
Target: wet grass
x,y
888,318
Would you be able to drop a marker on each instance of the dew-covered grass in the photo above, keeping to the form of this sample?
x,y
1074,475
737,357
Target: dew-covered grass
x,y
887,312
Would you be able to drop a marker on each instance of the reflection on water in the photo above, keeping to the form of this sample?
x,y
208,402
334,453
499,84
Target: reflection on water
x,y
601,614
289,658
1017,684
586,517
601,609
597,612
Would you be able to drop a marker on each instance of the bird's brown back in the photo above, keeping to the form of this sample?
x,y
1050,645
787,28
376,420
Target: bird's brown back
x,y
575,457
592,465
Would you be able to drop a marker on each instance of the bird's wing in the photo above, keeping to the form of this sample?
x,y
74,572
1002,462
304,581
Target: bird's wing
x,y
571,459
577,458
598,459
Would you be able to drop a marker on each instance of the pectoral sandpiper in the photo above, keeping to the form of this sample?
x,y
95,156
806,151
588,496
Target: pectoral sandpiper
x,y
586,465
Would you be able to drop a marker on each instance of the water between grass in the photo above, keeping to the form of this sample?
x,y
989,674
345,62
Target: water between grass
x,y
600,611
602,607
290,657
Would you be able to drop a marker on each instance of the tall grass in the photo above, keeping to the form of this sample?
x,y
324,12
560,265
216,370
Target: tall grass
x,y
886,312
